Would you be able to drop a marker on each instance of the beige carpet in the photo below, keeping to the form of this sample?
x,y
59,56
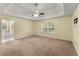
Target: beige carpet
x,y
37,46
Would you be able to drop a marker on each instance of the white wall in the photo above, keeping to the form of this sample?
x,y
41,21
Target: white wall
x,y
23,28
76,30
63,28
0,29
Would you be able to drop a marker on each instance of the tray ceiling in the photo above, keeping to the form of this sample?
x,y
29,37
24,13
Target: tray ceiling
x,y
45,10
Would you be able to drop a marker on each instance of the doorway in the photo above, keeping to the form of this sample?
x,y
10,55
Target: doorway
x,y
7,30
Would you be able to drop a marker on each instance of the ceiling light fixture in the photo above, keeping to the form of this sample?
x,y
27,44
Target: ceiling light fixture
x,y
36,13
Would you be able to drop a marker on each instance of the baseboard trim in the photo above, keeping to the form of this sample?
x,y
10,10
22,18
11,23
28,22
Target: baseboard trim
x,y
22,37
75,48
54,38
3,41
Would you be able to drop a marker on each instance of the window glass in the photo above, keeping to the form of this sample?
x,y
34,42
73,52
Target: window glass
x,y
48,27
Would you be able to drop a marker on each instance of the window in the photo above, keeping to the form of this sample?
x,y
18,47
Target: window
x,y
49,27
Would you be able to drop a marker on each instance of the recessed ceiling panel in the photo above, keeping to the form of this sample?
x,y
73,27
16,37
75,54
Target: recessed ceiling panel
x,y
37,11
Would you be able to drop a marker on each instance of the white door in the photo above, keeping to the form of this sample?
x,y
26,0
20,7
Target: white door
x,y
7,30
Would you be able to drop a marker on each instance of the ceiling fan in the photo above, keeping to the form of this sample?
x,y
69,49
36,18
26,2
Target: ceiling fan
x,y
37,13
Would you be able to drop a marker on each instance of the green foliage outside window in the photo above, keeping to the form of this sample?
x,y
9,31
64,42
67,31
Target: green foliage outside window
x,y
49,27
